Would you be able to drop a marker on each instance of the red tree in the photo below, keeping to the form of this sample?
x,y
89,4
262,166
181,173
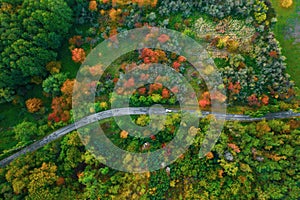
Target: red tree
x,y
265,99
165,93
205,100
163,38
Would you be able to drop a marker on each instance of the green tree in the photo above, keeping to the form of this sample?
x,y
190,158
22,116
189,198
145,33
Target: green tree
x,y
6,95
53,84
30,33
41,178
71,152
27,131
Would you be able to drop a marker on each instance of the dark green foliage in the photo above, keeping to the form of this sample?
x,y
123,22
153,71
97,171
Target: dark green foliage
x,y
29,35
160,182
27,131
215,8
220,62
53,84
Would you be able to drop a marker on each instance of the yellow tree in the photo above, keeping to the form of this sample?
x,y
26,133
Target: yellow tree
x,y
43,177
33,105
286,3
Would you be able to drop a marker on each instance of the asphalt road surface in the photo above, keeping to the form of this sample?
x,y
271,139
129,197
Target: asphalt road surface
x,y
134,111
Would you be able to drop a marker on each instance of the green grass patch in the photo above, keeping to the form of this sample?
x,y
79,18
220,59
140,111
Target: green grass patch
x,y
290,51
11,115
67,64
7,141
221,63
65,55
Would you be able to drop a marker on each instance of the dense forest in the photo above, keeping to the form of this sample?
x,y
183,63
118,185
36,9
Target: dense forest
x,y
47,46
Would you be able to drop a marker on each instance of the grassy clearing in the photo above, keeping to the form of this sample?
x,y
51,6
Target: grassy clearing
x,y
290,50
65,55
11,115
7,140
67,64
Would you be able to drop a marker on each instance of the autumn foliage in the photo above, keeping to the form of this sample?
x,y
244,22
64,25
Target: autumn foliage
x,y
155,87
61,105
234,87
209,155
93,5
123,134
53,67
140,3
234,147
163,38
76,41
78,55
265,100
165,93
33,105
205,100
218,96
153,56
114,14
176,65
60,109
286,3
67,87
273,54
142,91
60,181
253,100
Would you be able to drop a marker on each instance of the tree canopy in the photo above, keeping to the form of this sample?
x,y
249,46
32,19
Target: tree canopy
x,y
30,32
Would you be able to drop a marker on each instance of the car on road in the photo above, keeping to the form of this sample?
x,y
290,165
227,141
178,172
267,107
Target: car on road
x,y
168,111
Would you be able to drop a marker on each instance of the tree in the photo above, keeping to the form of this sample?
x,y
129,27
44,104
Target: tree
x,y
156,98
53,84
165,93
265,99
29,34
142,120
60,110
71,152
53,67
6,95
286,3
18,177
205,100
27,131
67,88
93,5
33,105
41,178
78,55
232,45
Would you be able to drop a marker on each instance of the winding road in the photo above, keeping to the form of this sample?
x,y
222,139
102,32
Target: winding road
x,y
134,111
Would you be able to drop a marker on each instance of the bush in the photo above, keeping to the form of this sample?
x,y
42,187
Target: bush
x,y
232,45
6,95
53,67
286,3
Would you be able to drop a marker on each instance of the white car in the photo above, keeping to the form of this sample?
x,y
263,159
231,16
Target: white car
x,y
168,111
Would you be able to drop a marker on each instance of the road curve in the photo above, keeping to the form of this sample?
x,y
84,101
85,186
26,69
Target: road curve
x,y
133,111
